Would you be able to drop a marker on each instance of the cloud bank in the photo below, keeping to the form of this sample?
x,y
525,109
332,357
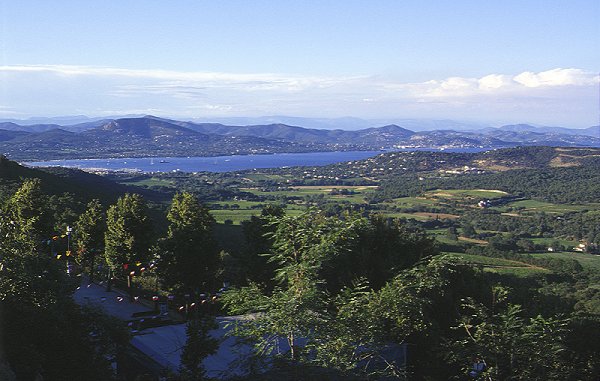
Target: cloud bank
x,y
561,96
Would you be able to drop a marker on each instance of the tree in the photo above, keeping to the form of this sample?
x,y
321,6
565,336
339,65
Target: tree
x,y
128,237
297,317
297,304
468,230
188,256
452,233
323,310
382,248
43,331
90,228
198,346
63,210
257,232
27,208
513,347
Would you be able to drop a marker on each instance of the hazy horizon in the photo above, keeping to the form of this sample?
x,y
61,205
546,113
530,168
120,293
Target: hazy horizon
x,y
493,63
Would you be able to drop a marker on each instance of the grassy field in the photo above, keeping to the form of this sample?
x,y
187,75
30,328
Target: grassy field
x,y
150,182
588,261
444,198
540,206
549,241
500,265
237,216
405,215
466,194
356,197
242,204
411,202
487,261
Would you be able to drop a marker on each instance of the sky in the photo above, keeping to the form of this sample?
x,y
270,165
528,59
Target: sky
x,y
497,62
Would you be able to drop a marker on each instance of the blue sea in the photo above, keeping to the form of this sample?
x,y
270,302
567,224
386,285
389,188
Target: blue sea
x,y
216,163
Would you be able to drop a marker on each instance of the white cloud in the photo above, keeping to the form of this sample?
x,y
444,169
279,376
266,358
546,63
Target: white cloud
x,y
494,81
557,77
46,90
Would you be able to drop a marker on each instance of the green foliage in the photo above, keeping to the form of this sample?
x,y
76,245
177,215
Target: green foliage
x,y
513,347
90,228
380,249
44,334
129,231
297,304
554,185
348,328
258,233
27,208
188,256
198,346
301,245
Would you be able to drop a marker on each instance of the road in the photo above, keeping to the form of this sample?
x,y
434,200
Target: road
x,y
163,345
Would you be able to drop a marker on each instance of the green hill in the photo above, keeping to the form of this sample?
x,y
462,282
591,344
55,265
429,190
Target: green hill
x,y
84,186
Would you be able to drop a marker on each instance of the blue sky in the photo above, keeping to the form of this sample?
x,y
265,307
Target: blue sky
x,y
492,61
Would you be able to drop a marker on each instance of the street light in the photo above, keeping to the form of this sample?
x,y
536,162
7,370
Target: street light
x,y
69,231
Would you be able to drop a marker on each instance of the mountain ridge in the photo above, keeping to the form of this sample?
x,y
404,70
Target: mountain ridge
x,y
155,136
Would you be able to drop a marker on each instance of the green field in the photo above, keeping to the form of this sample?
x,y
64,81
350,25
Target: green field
x,y
357,196
521,272
488,261
466,193
409,202
405,215
500,265
588,261
237,216
241,204
540,206
148,182
549,241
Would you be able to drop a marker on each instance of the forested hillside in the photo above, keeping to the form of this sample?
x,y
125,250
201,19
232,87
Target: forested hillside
x,y
412,277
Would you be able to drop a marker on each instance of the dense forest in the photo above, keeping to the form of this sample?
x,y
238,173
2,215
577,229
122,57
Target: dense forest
x,y
345,292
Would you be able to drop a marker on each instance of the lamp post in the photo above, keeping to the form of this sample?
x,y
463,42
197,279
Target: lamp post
x,y
68,232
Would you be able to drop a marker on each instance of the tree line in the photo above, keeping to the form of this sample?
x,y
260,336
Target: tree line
x,y
342,296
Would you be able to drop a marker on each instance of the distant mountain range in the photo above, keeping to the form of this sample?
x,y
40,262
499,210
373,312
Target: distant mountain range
x,y
153,136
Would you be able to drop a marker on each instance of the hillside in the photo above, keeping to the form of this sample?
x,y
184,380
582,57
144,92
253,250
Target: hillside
x,y
84,186
138,137
386,135
135,137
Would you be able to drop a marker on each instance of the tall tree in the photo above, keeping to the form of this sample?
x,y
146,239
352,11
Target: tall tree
x,y
258,235
513,347
128,236
198,346
188,256
297,305
27,208
383,247
43,332
89,229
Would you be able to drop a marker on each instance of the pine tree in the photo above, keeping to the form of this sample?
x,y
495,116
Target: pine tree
x,y
27,209
199,345
188,256
90,229
128,237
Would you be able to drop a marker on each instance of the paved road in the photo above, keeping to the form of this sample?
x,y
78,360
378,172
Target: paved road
x,y
115,303
162,344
